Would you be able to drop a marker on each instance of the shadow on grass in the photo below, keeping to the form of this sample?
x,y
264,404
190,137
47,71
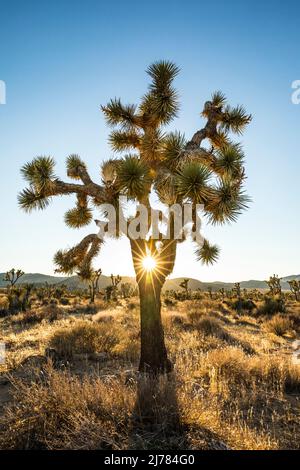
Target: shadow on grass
x,y
156,420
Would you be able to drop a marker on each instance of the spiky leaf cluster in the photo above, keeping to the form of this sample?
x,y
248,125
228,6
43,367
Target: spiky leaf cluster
x,y
133,177
40,175
207,253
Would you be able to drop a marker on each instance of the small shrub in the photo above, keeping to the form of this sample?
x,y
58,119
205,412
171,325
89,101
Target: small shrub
x,y
170,302
132,305
48,313
84,337
279,325
177,319
242,304
194,316
4,305
64,301
211,327
271,306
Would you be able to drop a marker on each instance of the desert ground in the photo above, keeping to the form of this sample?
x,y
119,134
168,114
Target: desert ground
x,y
70,377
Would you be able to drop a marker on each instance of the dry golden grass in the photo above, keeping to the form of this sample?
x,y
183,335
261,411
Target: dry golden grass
x,y
219,396
279,325
84,337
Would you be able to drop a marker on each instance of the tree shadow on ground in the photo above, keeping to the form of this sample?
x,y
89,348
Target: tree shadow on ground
x,y
156,420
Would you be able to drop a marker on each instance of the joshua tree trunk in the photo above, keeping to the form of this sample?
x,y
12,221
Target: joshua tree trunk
x,y
153,357
92,294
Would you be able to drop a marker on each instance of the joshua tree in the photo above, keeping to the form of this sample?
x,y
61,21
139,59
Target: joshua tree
x,y
115,281
111,292
274,285
162,164
222,293
237,289
209,289
295,288
255,294
13,276
93,282
126,289
185,286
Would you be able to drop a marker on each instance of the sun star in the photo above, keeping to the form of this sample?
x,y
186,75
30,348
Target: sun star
x,y
149,263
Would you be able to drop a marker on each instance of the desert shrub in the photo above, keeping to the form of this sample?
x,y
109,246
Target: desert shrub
x,y
132,305
88,309
84,337
231,372
279,325
169,302
177,319
208,326
64,301
243,304
271,306
4,305
48,313
194,315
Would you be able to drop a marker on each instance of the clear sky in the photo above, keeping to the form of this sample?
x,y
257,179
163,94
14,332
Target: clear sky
x,y
61,59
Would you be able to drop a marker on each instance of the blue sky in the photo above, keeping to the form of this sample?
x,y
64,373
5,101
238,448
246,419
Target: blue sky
x,y
61,59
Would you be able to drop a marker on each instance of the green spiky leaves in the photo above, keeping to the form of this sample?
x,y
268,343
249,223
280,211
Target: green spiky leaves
x,y
122,140
40,175
235,119
81,215
161,102
192,183
162,73
118,114
227,203
29,200
207,253
39,172
133,177
74,165
173,147
78,217
218,99
229,161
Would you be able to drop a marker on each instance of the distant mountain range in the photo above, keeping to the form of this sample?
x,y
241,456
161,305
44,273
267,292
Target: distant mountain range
x,y
74,282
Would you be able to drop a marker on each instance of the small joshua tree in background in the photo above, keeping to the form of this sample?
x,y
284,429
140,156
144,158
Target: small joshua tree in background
x,y
126,289
185,286
18,296
13,276
111,292
207,170
222,293
93,283
237,290
295,288
275,285
115,281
